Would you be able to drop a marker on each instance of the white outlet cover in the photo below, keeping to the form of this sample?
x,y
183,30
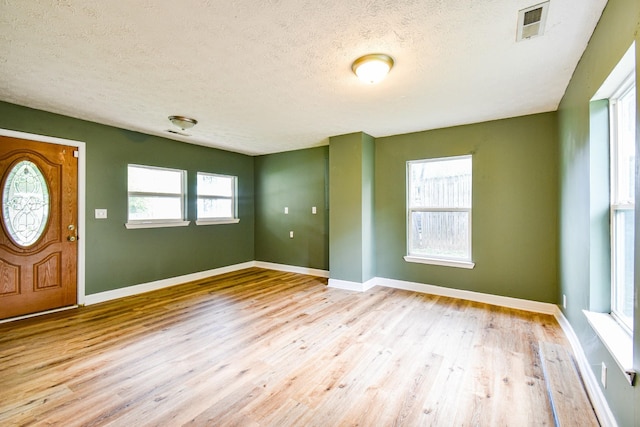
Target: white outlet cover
x,y
291,234
286,210
101,214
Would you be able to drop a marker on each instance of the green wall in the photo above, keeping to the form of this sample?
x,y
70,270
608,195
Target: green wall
x,y
579,234
299,181
117,257
514,217
599,182
352,191
368,208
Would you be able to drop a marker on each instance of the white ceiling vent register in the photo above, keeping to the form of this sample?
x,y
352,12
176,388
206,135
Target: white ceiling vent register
x,y
177,132
531,21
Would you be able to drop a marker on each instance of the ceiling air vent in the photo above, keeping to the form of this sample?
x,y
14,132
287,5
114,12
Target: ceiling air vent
x,y
177,132
531,21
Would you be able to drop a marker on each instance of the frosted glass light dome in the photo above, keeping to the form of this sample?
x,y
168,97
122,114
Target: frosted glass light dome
x,y
372,68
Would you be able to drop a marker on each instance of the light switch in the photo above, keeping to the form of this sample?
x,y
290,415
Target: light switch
x,y
291,234
101,214
314,210
286,210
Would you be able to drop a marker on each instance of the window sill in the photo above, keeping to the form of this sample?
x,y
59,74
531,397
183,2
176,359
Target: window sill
x,y
134,225
615,339
217,221
442,262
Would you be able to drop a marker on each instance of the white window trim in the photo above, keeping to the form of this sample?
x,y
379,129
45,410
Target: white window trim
x,y
446,262
155,224
615,206
614,337
217,221
442,262
160,223
234,199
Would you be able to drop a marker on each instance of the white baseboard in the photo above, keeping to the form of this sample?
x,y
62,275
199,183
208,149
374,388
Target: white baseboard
x,y
178,280
600,405
517,303
291,269
163,283
40,313
352,286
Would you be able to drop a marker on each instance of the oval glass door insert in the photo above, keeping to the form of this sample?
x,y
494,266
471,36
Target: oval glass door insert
x,y
25,203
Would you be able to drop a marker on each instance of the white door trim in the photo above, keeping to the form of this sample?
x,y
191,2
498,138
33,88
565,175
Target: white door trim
x,y
81,195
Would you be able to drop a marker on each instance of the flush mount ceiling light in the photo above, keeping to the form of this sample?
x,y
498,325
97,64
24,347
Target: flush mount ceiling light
x,y
372,68
182,122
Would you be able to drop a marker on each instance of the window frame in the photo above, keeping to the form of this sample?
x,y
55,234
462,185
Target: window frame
x,y
161,222
410,210
616,206
234,201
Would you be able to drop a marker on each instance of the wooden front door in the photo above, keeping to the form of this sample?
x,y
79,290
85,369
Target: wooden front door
x,y
38,240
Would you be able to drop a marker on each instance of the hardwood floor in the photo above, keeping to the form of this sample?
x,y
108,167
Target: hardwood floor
x,y
266,348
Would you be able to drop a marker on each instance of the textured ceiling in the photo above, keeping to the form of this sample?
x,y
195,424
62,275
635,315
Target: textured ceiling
x,y
274,75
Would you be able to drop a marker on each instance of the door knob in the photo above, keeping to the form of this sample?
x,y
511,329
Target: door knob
x,y
71,238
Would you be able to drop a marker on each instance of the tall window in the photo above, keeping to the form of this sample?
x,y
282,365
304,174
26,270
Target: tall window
x,y
156,195
439,211
623,159
216,198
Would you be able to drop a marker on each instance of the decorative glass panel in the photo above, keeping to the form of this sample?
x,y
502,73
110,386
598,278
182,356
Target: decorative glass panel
x,y
25,203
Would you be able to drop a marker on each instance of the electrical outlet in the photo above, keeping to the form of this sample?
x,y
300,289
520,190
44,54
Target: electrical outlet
x,y
564,301
314,210
286,210
291,234
101,214
603,375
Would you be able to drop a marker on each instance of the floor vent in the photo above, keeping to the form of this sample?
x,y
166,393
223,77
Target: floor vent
x,y
531,21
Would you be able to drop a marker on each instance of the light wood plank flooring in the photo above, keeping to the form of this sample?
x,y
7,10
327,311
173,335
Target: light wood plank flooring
x,y
266,348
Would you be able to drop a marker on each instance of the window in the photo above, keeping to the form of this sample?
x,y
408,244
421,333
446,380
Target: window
x,y
622,112
216,199
156,197
611,210
439,211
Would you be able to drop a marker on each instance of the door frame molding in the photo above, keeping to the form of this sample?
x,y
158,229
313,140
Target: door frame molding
x,y
82,149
